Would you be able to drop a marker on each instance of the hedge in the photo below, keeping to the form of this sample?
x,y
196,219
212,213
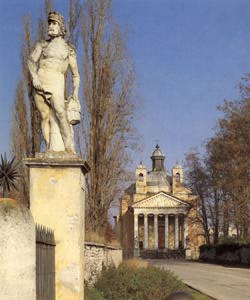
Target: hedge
x,y
238,253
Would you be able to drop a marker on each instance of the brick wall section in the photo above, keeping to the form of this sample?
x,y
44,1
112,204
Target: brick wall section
x,y
97,257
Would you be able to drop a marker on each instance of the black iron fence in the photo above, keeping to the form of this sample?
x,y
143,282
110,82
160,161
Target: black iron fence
x,y
45,263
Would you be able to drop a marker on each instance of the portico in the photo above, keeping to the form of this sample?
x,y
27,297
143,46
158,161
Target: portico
x,y
158,218
160,223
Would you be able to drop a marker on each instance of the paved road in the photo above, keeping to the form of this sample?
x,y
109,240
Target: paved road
x,y
222,283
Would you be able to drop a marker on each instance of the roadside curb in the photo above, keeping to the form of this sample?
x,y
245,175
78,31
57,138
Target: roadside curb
x,y
198,290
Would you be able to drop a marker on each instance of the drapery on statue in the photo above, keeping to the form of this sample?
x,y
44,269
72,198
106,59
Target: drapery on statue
x,y
48,64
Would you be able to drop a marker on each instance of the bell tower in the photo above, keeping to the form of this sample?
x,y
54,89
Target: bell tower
x,y
141,182
177,177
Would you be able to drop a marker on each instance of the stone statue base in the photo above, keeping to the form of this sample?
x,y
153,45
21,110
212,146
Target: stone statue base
x,y
57,195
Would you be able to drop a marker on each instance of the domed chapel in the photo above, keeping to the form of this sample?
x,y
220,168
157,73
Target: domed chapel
x,y
158,215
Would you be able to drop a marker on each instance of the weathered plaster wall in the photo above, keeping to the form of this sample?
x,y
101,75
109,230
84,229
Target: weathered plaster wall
x,y
98,256
17,252
126,237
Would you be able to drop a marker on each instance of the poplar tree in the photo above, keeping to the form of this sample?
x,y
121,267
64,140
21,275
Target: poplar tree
x,y
107,129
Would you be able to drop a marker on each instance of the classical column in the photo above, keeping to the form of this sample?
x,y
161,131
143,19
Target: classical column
x,y
156,231
176,229
136,238
185,232
145,246
166,232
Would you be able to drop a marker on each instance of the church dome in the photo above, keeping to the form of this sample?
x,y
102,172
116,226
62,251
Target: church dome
x,y
157,159
157,177
157,181
157,152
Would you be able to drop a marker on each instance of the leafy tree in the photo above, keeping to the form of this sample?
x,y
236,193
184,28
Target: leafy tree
x,y
233,138
226,165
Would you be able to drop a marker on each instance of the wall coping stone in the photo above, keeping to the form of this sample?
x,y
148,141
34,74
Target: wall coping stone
x,y
60,159
98,245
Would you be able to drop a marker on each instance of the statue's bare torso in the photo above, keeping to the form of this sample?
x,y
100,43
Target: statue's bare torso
x,y
49,62
55,56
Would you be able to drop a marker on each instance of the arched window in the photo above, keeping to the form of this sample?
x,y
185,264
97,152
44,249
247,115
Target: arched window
x,y
177,177
140,177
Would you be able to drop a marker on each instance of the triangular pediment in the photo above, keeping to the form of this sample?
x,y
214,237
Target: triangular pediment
x,y
160,200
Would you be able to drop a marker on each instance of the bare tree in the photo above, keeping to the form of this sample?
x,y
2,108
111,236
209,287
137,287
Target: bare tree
x,y
107,132
197,180
26,134
34,120
215,187
20,136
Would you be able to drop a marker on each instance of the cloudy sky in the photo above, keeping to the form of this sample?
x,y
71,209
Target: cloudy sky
x,y
189,56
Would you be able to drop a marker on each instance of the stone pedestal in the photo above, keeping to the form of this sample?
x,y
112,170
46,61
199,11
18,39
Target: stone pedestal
x,y
57,196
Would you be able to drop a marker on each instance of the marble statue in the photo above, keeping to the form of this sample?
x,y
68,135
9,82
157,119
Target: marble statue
x,y
48,65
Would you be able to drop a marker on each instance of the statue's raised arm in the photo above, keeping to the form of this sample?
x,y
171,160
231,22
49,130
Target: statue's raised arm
x,y
48,64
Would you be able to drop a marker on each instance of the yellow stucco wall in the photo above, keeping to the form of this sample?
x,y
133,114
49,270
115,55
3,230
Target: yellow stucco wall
x,y
57,201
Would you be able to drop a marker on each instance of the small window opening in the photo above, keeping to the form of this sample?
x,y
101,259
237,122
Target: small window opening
x,y
177,177
140,177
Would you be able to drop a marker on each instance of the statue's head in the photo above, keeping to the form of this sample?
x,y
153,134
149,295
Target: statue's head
x,y
56,26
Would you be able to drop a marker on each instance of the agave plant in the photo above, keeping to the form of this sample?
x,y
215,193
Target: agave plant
x,y
8,174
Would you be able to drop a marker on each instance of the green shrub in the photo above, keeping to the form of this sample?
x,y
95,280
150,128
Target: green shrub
x,y
234,240
93,294
206,247
136,280
126,283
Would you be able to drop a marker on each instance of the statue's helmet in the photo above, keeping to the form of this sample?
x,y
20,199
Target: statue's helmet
x,y
56,16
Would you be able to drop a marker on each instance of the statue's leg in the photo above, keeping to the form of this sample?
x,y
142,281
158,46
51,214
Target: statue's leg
x,y
45,116
64,125
56,142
